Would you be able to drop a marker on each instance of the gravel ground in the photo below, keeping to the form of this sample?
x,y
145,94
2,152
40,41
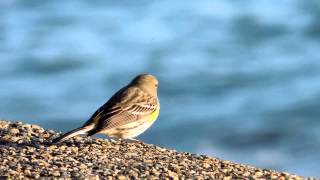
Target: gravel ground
x,y
26,153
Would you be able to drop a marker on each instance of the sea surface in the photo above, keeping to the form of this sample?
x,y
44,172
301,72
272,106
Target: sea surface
x,y
239,80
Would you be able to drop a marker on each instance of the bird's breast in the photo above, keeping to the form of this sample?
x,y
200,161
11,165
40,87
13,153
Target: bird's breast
x,y
154,115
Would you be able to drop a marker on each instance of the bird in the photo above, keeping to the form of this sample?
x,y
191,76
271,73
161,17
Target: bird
x,y
127,114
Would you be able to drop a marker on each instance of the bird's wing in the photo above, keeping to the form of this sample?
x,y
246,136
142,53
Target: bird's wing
x,y
127,115
130,106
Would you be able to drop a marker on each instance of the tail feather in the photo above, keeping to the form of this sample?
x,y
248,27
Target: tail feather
x,y
75,132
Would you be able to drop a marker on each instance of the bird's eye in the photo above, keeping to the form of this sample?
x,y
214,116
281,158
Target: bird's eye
x,y
156,85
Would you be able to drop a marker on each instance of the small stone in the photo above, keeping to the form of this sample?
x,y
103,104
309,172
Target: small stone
x,y
155,172
51,132
246,174
285,174
160,149
206,165
34,126
14,131
77,138
173,175
35,175
82,166
258,173
121,177
227,178
312,178
56,173
274,176
27,172
3,124
92,177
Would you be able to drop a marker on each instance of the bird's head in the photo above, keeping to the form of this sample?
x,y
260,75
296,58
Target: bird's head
x,y
147,82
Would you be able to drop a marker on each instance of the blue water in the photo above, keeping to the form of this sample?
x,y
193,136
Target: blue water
x,y
238,80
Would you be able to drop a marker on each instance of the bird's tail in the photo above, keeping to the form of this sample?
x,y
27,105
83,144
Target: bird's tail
x,y
81,130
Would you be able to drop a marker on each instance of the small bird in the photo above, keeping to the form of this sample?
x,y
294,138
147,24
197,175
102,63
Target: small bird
x,y
127,114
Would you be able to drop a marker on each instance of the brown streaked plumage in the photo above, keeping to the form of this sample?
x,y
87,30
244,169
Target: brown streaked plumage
x,y
128,113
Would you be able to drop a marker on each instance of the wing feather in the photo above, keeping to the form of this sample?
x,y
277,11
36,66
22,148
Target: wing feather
x,y
125,107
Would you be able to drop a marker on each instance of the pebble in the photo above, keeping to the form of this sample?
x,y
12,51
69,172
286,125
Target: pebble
x,y
26,153
14,131
56,173
259,174
173,175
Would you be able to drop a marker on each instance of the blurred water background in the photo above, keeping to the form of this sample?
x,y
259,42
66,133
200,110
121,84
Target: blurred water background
x,y
238,79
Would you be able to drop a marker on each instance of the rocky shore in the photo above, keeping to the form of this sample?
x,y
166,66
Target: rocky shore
x,y
26,152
